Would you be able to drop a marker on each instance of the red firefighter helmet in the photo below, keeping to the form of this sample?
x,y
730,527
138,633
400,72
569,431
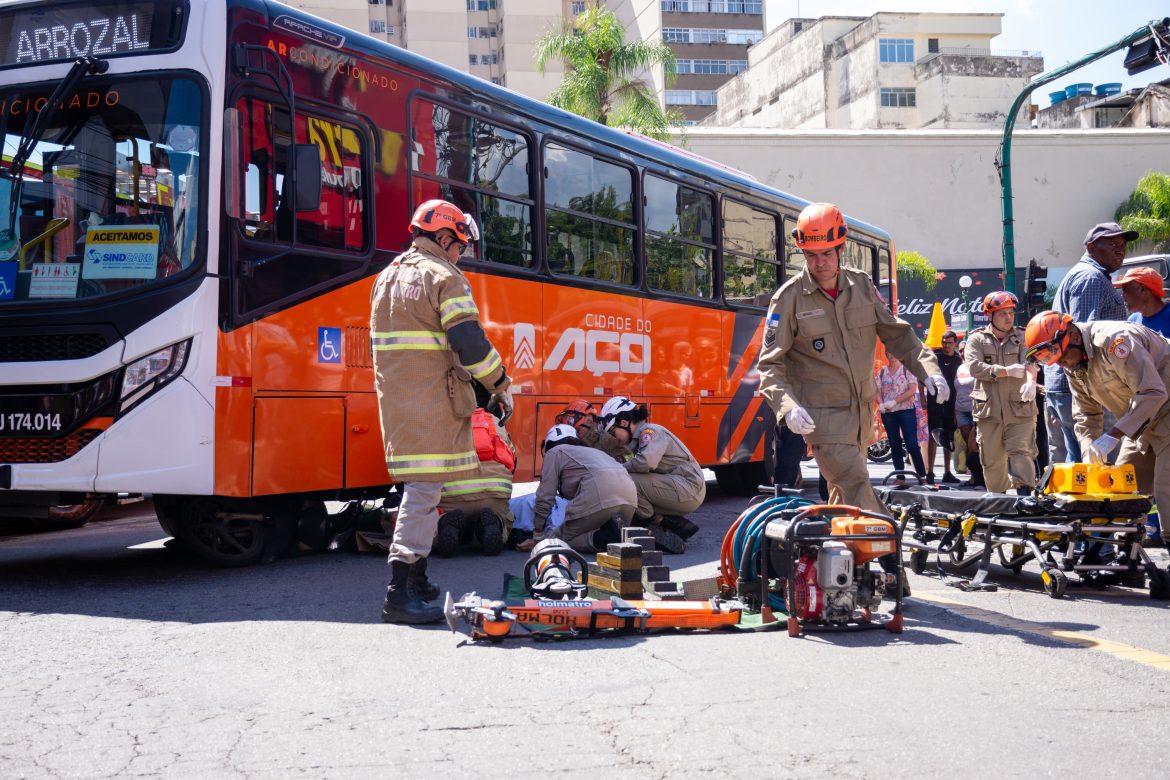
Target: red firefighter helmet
x,y
819,226
1046,337
576,411
997,301
435,215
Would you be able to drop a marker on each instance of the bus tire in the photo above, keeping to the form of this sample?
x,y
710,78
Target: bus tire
x,y
70,515
225,542
740,479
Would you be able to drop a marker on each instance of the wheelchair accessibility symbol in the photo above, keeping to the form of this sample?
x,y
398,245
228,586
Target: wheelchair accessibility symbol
x,y
328,345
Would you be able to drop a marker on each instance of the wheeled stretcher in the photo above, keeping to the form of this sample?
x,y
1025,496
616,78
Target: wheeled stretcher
x,y
1095,535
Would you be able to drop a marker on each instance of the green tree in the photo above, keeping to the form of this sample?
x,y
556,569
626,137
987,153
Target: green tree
x,y
600,67
912,265
1147,210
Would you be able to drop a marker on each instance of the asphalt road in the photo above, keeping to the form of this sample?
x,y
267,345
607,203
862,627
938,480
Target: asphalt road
x,y
122,657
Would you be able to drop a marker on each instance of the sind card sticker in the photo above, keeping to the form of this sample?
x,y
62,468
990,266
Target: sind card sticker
x,y
121,252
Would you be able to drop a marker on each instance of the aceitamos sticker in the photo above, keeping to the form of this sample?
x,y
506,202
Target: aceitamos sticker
x,y
121,252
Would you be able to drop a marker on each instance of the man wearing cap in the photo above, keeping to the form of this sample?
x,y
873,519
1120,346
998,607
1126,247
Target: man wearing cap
x,y
1086,294
1142,290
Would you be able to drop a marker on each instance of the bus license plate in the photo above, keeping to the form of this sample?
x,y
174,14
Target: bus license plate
x,y
35,416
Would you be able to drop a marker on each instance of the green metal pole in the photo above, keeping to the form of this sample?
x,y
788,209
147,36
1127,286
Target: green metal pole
x,y
1004,163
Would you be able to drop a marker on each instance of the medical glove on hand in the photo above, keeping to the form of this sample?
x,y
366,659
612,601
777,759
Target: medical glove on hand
x,y
1100,448
799,421
1028,391
1016,370
937,386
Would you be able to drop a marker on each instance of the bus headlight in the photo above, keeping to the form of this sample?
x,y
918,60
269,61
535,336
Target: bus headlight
x,y
146,375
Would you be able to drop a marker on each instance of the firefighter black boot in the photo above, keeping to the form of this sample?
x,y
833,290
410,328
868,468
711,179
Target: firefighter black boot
x,y
680,525
448,533
402,604
976,469
426,590
490,533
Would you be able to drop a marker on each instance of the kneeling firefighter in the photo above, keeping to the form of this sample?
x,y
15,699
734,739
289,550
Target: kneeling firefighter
x,y
476,508
582,415
670,481
602,497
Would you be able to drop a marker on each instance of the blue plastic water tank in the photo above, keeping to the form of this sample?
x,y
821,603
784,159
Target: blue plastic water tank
x,y
1072,90
1057,97
1113,88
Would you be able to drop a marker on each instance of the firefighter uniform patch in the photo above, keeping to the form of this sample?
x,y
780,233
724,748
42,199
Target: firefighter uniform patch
x,y
1120,347
818,345
769,338
646,437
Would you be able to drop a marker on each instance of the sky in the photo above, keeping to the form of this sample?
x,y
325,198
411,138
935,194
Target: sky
x,y
1063,30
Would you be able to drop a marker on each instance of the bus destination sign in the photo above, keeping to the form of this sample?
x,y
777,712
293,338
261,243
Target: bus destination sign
x,y
62,32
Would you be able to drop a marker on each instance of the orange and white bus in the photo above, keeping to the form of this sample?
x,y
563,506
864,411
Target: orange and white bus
x,y
199,195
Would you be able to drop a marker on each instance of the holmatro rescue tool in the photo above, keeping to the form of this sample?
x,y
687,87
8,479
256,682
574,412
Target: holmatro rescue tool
x,y
557,610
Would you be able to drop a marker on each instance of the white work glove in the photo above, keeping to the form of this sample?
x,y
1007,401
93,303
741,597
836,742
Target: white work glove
x,y
1099,450
937,386
1028,391
1016,370
798,421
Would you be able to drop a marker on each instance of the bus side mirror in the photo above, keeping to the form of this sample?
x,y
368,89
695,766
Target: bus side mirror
x,y
307,177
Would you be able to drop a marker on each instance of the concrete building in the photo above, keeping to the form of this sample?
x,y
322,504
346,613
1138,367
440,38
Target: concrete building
x,y
492,39
937,191
886,71
1107,106
709,38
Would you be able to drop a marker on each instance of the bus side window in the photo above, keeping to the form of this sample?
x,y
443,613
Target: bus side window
x,y
751,269
482,168
680,238
589,212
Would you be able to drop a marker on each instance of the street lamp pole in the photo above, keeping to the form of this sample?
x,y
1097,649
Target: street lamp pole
x,y
964,284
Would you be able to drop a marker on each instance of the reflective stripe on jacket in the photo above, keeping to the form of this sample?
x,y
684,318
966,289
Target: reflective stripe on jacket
x,y
424,389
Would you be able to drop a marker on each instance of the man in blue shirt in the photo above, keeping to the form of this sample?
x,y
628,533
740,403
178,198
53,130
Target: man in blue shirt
x,y
1142,289
1087,294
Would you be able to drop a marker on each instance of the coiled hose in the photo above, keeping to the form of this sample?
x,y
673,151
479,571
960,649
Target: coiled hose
x,y
740,553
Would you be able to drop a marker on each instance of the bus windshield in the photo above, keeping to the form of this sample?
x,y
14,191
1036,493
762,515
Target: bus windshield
x,y
107,198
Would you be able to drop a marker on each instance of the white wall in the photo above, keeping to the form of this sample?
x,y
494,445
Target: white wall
x,y
937,192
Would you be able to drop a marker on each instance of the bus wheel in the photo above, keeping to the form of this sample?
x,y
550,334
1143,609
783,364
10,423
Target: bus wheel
x,y
224,537
740,479
70,515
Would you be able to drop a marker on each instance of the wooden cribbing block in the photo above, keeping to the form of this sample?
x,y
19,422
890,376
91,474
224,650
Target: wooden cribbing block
x,y
606,587
634,530
652,557
659,587
606,573
656,573
621,564
624,550
645,542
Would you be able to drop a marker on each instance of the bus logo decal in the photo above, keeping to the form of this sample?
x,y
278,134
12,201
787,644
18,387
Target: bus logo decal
x,y
311,31
577,350
524,345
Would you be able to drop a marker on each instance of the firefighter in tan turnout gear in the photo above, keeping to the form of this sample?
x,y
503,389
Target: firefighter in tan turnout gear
x,y
669,480
602,497
1121,367
816,361
1003,400
428,345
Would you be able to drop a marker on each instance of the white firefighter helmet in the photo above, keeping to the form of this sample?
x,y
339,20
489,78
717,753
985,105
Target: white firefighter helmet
x,y
558,433
613,407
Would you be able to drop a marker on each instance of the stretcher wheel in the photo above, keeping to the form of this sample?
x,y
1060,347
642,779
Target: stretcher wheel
x,y
1055,582
959,557
1160,585
1005,558
918,560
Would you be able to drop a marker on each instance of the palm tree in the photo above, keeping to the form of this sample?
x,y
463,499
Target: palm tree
x,y
600,67
1147,210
